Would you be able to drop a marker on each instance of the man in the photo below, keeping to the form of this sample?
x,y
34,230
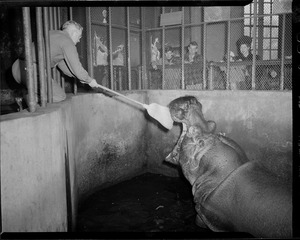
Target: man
x,y
243,45
192,55
170,58
64,55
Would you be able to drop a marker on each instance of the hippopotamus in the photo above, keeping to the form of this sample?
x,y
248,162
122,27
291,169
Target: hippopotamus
x,y
231,193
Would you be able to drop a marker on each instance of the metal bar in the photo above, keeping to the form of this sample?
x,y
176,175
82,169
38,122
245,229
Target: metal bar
x,y
51,27
51,18
75,80
204,58
70,13
182,53
62,78
228,82
163,52
58,18
55,27
254,46
128,51
41,58
282,52
28,58
89,42
110,49
55,18
182,50
119,71
48,61
144,80
210,77
210,22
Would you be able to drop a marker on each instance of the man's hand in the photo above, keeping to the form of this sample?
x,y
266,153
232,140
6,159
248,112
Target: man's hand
x,y
94,84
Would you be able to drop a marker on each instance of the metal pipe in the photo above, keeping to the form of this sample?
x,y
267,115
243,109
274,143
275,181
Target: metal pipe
x,y
28,58
89,42
55,18
51,26
41,58
51,18
228,82
163,52
48,61
62,79
254,46
182,50
128,51
75,80
55,27
282,52
70,13
204,58
144,78
110,49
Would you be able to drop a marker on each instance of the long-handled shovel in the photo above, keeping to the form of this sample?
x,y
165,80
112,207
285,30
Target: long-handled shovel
x,y
156,111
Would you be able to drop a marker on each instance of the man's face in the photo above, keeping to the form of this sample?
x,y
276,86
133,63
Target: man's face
x,y
244,48
76,36
169,55
193,49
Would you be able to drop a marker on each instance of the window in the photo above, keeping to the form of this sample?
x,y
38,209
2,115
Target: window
x,y
267,32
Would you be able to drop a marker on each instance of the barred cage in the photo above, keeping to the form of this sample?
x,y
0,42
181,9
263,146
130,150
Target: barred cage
x,y
195,48
137,40
115,34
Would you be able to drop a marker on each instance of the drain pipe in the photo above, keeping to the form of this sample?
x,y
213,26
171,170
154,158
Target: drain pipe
x,y
41,58
47,48
28,58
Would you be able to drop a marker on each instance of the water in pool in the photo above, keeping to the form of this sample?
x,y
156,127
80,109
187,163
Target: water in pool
x,y
146,203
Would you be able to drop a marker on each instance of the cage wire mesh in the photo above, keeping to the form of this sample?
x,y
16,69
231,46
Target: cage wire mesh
x,y
219,64
109,38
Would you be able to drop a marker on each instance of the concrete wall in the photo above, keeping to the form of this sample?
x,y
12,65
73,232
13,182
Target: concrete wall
x,y
98,138
261,122
93,141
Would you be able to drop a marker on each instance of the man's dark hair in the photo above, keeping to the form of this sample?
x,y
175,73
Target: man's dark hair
x,y
193,43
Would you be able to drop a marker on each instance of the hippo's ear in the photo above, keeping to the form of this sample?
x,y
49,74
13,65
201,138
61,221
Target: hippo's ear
x,y
194,100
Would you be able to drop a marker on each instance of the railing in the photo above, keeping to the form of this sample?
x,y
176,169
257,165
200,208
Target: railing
x,y
269,75
39,82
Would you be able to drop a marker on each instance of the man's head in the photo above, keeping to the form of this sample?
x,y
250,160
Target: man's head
x,y
193,48
244,45
169,52
74,30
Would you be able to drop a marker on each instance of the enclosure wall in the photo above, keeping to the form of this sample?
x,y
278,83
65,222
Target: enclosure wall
x,y
259,121
54,158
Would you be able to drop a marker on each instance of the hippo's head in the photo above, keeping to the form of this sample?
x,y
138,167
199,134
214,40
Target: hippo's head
x,y
188,110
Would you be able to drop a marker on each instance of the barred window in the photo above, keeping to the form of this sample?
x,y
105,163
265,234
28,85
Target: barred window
x,y
267,32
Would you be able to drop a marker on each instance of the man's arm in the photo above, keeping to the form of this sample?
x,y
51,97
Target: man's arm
x,y
63,66
73,64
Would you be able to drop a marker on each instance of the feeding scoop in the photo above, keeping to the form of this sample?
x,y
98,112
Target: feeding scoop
x,y
160,113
